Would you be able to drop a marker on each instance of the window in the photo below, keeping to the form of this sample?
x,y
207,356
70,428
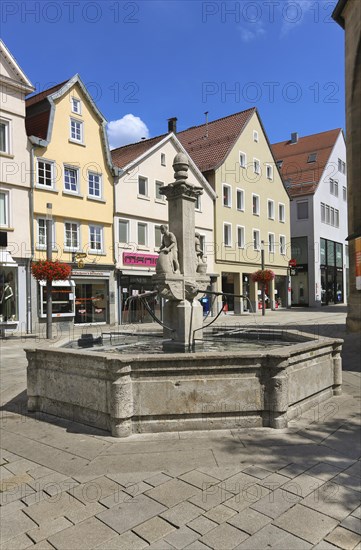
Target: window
x,y
344,193
256,166
255,136
269,171
279,164
76,130
123,231
255,205
4,136
271,209
282,245
323,212
240,236
4,209
240,199
157,236
76,105
45,173
227,195
328,218
242,159
42,236
72,235
256,239
281,212
302,210
158,195
94,185
341,166
198,203
96,238
312,157
227,234
334,187
337,218
142,234
162,159
271,242
142,186
332,216
71,179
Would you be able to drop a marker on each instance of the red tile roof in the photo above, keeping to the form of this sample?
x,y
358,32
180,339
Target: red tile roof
x,y
300,176
37,125
208,145
36,98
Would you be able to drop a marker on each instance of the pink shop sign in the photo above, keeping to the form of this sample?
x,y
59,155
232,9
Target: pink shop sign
x,y
131,258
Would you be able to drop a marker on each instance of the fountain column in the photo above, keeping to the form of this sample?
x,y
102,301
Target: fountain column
x,y
181,266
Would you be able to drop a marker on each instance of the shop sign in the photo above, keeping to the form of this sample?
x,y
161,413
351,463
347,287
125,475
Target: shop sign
x,y
89,273
148,260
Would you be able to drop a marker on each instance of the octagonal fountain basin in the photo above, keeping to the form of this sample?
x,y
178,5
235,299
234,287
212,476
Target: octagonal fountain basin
x,y
225,388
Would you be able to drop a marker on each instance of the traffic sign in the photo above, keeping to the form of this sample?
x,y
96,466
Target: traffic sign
x,y
292,263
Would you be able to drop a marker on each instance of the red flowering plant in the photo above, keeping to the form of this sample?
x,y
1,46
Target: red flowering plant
x,y
263,276
45,270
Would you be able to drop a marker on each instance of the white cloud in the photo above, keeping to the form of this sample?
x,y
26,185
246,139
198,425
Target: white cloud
x,y
128,129
293,14
247,35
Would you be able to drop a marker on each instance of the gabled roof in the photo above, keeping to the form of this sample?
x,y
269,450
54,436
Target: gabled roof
x,y
36,98
207,144
21,81
300,176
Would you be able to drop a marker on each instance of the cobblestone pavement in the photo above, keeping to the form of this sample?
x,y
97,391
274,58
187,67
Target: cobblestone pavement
x,y
68,486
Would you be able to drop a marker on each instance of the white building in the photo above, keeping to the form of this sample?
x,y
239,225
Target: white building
x,y
140,210
314,170
15,196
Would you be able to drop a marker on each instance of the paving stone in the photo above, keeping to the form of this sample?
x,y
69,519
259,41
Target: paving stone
x,y
273,537
87,511
127,515
247,497
274,481
158,479
126,541
333,500
357,512
199,479
348,480
303,485
11,508
55,507
324,471
343,538
249,521
220,513
211,497
224,537
21,466
182,537
324,545
36,497
221,472
303,522
257,472
15,524
181,514
276,503
17,543
14,481
353,524
43,545
172,492
355,469
95,490
160,545
295,469
83,536
240,482
39,471
48,528
134,489
197,545
202,525
55,488
154,529
128,478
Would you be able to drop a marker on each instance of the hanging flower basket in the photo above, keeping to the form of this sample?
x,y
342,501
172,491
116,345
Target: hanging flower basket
x,y
263,276
45,270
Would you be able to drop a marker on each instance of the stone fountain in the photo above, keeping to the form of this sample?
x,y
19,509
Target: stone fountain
x,y
127,393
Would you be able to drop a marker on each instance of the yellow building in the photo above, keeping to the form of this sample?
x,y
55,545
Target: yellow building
x,y
73,181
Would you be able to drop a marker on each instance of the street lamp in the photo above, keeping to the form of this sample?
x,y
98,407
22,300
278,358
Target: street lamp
x,y
263,285
49,253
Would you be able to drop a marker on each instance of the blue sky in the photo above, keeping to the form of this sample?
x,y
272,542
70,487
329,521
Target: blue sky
x,y
146,61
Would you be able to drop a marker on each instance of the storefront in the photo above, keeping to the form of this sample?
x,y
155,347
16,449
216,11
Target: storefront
x,y
9,296
132,309
331,259
281,291
63,299
299,275
94,296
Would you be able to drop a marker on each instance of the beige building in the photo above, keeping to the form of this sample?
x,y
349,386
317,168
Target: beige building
x,y
15,226
348,14
140,210
252,209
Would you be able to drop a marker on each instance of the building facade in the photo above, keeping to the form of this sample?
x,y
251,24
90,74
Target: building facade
x,y
15,245
314,169
73,182
140,210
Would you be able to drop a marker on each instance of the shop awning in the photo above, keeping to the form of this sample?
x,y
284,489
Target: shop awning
x,y
6,258
59,283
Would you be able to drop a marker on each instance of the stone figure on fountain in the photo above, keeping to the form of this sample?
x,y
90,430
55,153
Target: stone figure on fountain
x,y
168,252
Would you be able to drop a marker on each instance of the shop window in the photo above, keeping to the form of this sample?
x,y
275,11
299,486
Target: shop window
x,y
91,302
63,298
8,294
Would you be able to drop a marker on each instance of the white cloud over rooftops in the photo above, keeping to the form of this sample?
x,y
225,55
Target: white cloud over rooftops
x,y
128,129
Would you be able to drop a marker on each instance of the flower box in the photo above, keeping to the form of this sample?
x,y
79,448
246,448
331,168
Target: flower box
x,y
45,270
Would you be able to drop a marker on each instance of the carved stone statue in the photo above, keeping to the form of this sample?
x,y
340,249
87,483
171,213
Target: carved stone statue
x,y
168,253
201,260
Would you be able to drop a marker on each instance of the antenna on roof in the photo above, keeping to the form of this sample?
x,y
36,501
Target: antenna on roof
x,y
206,113
143,138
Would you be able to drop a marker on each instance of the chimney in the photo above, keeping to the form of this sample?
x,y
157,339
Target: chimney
x,y
172,125
294,137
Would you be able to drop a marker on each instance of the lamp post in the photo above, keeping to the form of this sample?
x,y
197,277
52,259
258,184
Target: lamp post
x,y
49,252
263,284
